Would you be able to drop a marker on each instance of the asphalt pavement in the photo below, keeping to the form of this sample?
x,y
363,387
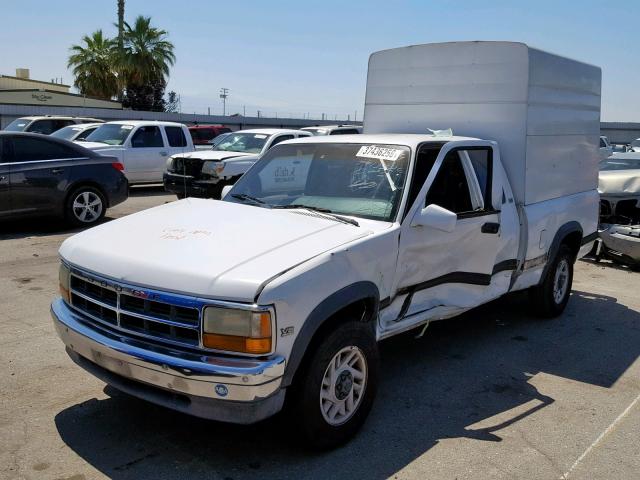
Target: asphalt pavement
x,y
494,394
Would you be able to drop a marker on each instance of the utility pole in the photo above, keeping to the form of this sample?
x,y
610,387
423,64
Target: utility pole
x,y
224,93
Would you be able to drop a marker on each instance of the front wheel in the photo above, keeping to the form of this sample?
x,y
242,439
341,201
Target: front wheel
x,y
551,296
335,393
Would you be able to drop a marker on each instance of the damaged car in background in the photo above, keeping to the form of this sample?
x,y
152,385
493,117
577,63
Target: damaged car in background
x,y
619,231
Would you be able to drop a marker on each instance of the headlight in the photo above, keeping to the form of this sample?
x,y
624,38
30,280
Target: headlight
x,y
169,165
237,330
64,275
213,168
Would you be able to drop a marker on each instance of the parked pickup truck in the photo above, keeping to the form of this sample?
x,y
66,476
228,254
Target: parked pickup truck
x,y
143,147
205,172
221,309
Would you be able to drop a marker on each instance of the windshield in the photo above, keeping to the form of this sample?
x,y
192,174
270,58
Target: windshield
x,y
110,133
352,179
67,133
242,142
17,125
615,163
214,142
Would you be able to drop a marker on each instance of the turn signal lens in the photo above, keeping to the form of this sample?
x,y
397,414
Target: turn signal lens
x,y
236,330
64,275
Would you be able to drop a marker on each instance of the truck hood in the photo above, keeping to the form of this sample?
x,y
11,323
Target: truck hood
x,y
212,155
619,182
206,248
100,146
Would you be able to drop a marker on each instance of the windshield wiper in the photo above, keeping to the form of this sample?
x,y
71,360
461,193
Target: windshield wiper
x,y
339,218
244,196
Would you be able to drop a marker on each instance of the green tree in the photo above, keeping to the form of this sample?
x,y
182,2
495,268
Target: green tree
x,y
144,61
146,54
92,64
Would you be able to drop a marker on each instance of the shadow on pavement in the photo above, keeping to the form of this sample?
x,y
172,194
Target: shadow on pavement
x,y
43,226
463,371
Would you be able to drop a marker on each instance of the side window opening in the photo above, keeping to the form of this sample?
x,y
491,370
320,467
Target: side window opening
x,y
175,136
450,188
147,137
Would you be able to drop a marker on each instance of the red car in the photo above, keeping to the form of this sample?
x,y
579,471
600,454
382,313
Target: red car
x,y
203,134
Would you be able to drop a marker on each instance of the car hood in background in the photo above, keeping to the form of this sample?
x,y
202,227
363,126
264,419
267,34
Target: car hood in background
x,y
211,154
619,182
206,248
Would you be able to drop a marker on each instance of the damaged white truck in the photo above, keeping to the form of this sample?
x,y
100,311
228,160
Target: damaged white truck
x,y
221,309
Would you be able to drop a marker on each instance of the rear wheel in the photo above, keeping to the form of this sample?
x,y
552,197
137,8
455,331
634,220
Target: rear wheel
x,y
335,392
551,296
85,206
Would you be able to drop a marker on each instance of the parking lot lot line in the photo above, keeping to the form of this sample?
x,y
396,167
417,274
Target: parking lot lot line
x,y
601,437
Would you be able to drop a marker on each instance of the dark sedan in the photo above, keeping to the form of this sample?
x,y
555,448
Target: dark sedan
x,y
47,176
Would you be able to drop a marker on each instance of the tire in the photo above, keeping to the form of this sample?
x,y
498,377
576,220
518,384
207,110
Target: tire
x,y
180,196
550,297
85,206
351,346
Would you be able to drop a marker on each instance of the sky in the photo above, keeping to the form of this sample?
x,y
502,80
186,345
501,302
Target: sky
x,y
298,58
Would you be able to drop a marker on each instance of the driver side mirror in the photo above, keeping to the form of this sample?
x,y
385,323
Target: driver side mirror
x,y
225,190
435,216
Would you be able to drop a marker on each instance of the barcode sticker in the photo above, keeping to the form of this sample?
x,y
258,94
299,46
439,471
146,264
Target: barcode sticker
x,y
380,153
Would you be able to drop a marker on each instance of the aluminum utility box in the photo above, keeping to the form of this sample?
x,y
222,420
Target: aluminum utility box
x,y
542,109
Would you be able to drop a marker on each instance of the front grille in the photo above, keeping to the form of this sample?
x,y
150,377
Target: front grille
x,y
190,167
163,317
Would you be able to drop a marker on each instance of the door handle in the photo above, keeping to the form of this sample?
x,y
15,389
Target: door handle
x,y
57,170
163,154
490,227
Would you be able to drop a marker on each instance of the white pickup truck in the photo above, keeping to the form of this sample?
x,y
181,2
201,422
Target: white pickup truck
x,y
204,173
142,146
221,309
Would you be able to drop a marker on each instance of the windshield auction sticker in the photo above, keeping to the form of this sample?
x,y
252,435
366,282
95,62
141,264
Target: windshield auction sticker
x,y
379,153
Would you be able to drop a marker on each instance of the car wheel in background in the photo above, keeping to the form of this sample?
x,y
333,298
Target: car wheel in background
x,y
85,206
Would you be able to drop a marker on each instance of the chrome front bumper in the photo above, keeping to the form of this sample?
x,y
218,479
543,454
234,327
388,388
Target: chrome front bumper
x,y
216,387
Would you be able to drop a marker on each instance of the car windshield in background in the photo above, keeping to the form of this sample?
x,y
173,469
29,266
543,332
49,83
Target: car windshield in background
x,y
613,163
242,142
17,125
111,134
217,140
360,180
67,133
317,131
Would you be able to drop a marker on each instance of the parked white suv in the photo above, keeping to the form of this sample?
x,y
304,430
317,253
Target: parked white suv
x,y
334,130
204,173
46,124
141,146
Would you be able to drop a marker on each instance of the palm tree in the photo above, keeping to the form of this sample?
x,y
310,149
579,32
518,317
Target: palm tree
x,y
120,24
92,64
146,54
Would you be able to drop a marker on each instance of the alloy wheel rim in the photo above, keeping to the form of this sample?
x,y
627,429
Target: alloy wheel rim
x,y
87,207
561,281
343,385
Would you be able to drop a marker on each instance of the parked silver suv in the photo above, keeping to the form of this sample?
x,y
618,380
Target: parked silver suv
x,y
46,124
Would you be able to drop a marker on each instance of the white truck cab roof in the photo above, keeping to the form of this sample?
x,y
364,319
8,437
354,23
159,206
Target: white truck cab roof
x,y
409,139
136,123
269,131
